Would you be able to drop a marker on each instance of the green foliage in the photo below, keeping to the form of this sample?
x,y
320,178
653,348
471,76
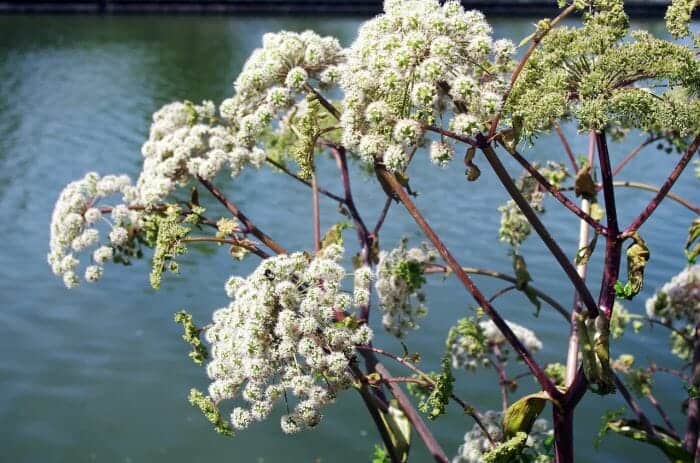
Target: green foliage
x,y
169,235
399,429
556,372
669,445
412,272
594,336
211,412
195,216
308,129
380,455
678,16
508,451
436,402
334,235
470,337
621,319
587,73
637,258
681,342
523,277
692,244
521,415
640,381
608,417
191,336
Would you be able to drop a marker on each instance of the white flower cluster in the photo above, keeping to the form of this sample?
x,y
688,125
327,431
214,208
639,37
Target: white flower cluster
x,y
185,142
74,225
678,299
417,61
279,338
274,76
476,444
363,282
469,352
399,280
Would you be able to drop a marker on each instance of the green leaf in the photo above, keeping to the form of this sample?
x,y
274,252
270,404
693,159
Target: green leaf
x,y
473,172
521,415
594,335
692,252
380,455
211,412
584,185
670,446
191,336
637,258
334,235
399,428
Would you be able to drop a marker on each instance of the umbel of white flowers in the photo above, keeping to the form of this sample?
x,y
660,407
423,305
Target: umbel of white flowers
x,y
678,299
412,64
471,349
74,225
399,281
280,339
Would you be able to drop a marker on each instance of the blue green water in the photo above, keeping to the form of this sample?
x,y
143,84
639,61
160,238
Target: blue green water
x,y
100,373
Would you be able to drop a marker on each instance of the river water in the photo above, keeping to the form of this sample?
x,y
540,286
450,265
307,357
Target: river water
x,y
100,373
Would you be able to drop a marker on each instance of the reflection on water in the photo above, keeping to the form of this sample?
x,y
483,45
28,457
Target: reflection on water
x,y
100,373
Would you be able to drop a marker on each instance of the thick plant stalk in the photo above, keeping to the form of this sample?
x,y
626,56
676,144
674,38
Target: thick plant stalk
x,y
252,228
664,189
432,268
414,417
563,424
690,442
483,302
613,245
583,232
537,225
572,356
316,213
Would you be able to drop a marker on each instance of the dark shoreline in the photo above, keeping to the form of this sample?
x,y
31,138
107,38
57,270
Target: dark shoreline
x,y
640,8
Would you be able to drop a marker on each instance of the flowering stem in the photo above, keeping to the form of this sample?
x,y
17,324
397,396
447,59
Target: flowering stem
x,y
382,216
282,168
414,417
690,442
483,302
249,246
651,139
613,245
450,134
634,405
663,191
671,195
566,202
434,268
583,232
536,39
426,380
567,147
662,413
316,214
502,378
269,242
531,216
373,408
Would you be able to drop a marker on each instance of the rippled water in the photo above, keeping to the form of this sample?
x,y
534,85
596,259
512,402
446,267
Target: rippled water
x,y
101,374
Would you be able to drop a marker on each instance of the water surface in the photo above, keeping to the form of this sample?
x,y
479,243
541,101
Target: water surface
x,y
101,374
